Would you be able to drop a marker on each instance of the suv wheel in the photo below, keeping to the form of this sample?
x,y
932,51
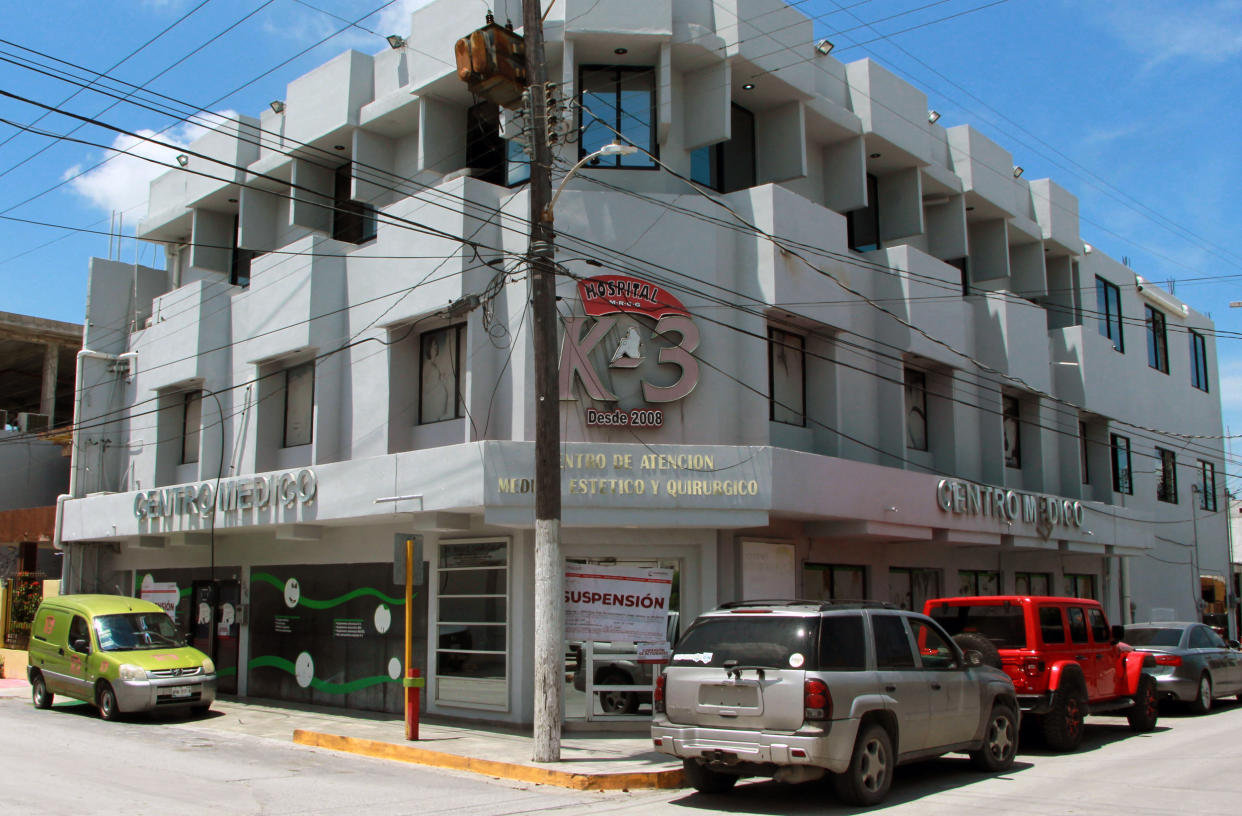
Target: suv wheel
x,y
1146,709
1000,741
1063,724
1202,703
870,774
705,780
38,692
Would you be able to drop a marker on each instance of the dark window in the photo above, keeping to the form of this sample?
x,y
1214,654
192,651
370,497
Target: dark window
x,y
934,649
1012,425
1084,460
618,100
1031,583
841,643
1051,624
751,640
299,404
1077,624
892,644
1198,361
1199,638
834,582
1108,301
786,377
352,221
863,226
79,631
960,265
239,259
729,165
1207,486
978,582
492,158
1157,341
1003,624
1121,465
916,410
440,374
1080,586
191,423
1099,626
1215,640
1166,485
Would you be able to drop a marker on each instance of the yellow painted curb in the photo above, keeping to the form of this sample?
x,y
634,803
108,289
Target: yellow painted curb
x,y
506,770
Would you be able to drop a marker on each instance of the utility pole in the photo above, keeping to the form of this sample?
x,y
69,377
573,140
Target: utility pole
x,y
549,572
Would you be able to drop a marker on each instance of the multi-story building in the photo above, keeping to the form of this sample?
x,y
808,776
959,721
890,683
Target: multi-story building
x,y
813,344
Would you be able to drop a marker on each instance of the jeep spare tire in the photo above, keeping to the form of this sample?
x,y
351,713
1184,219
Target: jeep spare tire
x,y
967,641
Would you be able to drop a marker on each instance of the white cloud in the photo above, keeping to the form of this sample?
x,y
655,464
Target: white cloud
x,y
1209,31
122,182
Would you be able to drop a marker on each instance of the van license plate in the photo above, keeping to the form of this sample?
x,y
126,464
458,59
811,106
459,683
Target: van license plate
x,y
730,695
182,691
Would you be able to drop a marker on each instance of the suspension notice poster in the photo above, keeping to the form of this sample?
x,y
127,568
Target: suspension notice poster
x,y
616,603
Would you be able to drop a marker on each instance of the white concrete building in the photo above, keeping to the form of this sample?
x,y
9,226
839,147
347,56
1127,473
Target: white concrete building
x,y
864,358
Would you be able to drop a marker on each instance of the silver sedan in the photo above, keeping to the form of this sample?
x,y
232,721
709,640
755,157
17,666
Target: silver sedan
x,y
1193,664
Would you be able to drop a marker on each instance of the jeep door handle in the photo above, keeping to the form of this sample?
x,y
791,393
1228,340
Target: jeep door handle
x,y
935,686
61,651
890,688
1080,657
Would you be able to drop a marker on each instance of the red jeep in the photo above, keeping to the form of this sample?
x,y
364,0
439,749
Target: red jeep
x,y
1064,659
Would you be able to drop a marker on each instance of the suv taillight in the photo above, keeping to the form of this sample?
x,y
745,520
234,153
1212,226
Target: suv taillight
x,y
1168,660
657,695
816,701
1033,667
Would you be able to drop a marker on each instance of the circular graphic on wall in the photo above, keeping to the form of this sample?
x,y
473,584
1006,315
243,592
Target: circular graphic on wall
x,y
204,613
293,592
383,618
304,669
394,668
228,615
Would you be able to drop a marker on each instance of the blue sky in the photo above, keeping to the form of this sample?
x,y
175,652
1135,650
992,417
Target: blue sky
x,y
1129,104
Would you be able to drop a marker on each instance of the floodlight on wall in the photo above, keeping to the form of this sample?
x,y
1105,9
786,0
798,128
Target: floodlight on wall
x,y
277,106
183,159
1086,249
824,47
749,86
1017,171
933,117
395,41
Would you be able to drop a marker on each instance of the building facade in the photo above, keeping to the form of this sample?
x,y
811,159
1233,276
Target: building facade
x,y
812,344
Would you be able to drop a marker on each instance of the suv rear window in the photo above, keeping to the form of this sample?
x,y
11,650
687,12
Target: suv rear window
x,y
768,641
1001,624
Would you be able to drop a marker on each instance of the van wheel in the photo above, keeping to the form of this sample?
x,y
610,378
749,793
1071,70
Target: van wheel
x,y
705,780
39,693
1146,709
106,698
1063,724
1000,741
870,774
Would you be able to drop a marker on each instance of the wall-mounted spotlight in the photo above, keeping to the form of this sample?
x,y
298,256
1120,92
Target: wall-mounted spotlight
x,y
395,41
824,47
1086,249
1017,171
183,159
277,106
749,86
933,117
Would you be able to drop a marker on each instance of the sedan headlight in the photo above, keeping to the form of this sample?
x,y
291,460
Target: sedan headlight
x,y
208,666
128,671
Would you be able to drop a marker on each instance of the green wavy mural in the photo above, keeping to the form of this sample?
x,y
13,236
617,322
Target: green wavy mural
x,y
287,666
328,604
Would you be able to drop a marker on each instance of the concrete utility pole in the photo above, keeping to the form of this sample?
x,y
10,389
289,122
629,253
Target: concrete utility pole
x,y
549,573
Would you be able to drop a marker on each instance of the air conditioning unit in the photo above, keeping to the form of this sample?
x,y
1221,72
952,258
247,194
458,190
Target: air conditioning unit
x,y
33,423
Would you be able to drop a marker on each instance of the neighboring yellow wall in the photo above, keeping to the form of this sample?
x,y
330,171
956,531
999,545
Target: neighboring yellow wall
x,y
14,663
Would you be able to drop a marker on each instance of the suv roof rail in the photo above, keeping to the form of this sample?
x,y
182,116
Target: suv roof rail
x,y
821,605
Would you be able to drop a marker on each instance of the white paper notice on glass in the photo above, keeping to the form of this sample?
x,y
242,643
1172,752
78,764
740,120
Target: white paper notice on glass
x,y
767,570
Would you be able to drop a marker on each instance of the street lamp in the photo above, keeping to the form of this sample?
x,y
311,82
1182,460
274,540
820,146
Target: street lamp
x,y
611,149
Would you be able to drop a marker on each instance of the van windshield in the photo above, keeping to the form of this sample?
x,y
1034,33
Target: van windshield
x,y
135,631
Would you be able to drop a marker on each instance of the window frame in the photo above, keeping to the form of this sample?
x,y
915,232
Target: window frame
x,y
717,154
915,385
191,448
872,211
973,576
1157,339
1028,576
1084,458
1166,484
801,385
1207,486
1108,295
1198,361
1076,581
506,570
1013,460
833,571
288,373
349,215
585,119
1125,487
456,332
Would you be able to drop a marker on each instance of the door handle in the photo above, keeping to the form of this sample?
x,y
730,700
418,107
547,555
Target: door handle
x,y
890,688
935,686
61,650
1080,657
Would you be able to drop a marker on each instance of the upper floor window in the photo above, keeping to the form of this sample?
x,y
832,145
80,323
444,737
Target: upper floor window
x,y
978,582
1108,302
1031,583
352,221
916,410
1012,422
862,226
239,258
1121,465
440,374
1157,341
299,404
1198,361
729,165
1166,486
492,158
191,424
1207,486
1078,585
1084,461
614,101
787,377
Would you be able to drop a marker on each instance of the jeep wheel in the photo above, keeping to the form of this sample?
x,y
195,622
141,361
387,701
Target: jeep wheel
x,y
1202,703
870,774
1063,724
705,780
968,641
106,698
38,692
1000,741
1146,709
616,702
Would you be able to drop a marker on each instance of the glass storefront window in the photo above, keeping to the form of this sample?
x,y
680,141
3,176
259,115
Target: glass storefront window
x,y
472,624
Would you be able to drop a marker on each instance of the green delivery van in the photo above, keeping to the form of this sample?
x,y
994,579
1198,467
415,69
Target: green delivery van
x,y
122,654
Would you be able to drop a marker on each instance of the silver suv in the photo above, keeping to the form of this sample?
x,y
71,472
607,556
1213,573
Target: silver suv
x,y
795,689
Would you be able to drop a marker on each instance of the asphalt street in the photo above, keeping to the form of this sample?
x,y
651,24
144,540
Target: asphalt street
x,y
68,761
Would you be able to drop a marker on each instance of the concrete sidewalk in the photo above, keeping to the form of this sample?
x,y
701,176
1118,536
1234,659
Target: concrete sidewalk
x,y
589,760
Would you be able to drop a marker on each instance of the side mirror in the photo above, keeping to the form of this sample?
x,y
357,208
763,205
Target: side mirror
x,y
973,657
1233,644
1119,633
